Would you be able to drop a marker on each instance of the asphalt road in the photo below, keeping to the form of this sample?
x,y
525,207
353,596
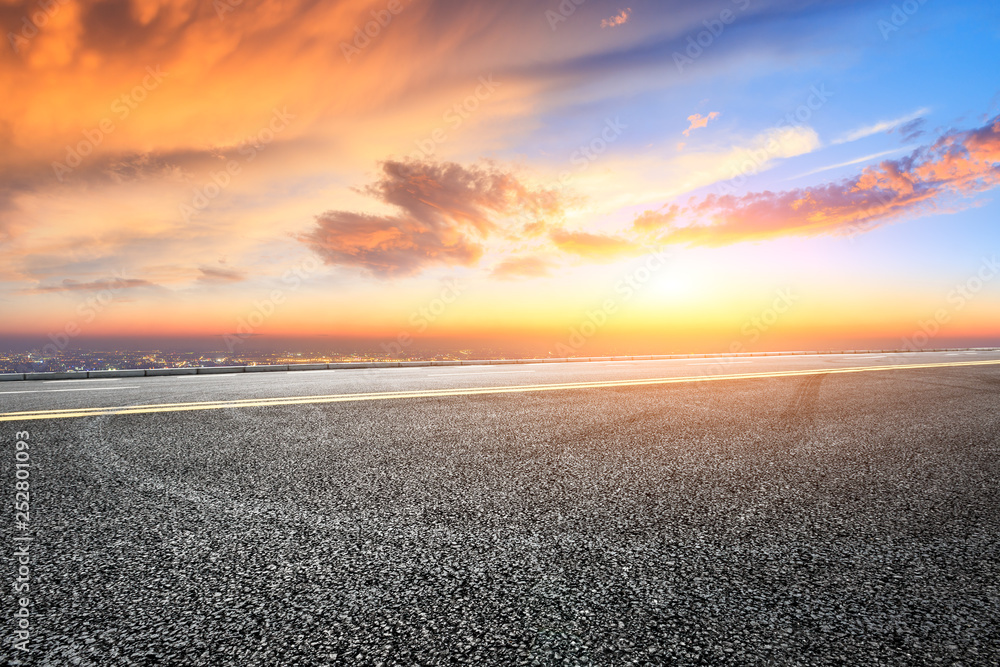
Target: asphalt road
x,y
753,511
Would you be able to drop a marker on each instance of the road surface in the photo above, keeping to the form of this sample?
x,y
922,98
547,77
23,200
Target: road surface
x,y
754,511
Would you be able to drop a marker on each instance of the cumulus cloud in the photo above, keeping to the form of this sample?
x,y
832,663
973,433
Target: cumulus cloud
x,y
958,164
699,121
621,18
445,212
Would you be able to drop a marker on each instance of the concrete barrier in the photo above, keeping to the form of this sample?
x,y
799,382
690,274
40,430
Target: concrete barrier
x,y
125,373
306,367
67,375
158,372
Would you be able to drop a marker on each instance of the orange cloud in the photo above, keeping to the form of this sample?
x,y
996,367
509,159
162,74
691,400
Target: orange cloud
x,y
698,121
446,211
523,267
621,18
656,219
956,165
592,246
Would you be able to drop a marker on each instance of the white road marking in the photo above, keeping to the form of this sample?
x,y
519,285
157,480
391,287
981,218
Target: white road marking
x,y
720,363
55,391
445,375
88,379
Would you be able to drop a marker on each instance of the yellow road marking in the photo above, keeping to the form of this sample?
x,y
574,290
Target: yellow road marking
x,y
438,393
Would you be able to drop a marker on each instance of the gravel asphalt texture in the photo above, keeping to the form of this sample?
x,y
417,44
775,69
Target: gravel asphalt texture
x,y
815,520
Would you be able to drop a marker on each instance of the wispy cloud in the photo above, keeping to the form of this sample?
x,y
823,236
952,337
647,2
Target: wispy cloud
x,y
881,126
93,286
866,158
523,267
913,129
592,246
699,121
211,274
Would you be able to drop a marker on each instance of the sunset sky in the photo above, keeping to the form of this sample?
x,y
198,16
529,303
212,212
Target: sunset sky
x,y
684,176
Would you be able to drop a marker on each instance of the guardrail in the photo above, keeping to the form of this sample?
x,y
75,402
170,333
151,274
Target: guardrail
x,y
348,365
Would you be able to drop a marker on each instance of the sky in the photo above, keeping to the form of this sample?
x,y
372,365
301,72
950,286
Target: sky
x,y
569,178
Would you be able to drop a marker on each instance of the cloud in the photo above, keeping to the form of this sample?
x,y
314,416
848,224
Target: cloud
x,y
446,211
698,121
93,286
592,246
912,130
391,245
958,164
663,217
881,126
523,267
213,275
865,158
755,156
621,18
